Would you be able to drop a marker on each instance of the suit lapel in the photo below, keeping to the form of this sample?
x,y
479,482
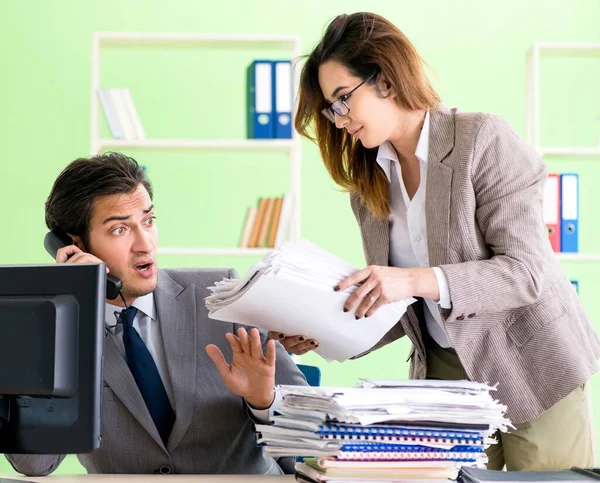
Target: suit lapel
x,y
118,376
177,317
439,185
376,237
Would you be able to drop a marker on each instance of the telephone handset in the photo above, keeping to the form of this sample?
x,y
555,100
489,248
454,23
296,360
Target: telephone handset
x,y
56,239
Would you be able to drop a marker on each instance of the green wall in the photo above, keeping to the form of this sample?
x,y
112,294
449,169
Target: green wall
x,y
475,47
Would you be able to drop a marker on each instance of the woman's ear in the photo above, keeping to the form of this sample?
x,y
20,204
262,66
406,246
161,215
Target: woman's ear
x,y
385,88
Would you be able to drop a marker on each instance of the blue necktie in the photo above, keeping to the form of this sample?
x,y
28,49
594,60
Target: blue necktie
x,y
146,376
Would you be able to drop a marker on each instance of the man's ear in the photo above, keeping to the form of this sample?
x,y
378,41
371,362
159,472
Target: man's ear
x,y
77,242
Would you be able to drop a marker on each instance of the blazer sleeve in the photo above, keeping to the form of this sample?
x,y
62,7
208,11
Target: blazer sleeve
x,y
508,180
34,465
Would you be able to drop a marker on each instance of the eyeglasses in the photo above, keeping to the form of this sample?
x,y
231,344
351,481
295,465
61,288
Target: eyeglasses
x,y
340,106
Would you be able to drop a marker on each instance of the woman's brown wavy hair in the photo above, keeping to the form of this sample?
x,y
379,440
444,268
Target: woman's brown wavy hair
x,y
365,43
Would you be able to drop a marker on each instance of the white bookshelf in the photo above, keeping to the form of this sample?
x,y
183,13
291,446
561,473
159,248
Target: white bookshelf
x,y
104,40
578,257
567,151
533,93
534,118
266,144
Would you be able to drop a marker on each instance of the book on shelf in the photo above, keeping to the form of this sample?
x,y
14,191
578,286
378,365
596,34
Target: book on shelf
x,y
121,114
267,224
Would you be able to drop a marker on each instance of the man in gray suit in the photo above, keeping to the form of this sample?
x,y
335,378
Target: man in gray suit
x,y
166,407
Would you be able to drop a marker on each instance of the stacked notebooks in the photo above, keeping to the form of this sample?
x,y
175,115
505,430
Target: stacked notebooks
x,y
384,431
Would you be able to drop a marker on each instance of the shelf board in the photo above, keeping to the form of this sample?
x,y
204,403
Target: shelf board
x,y
275,144
570,151
126,38
231,251
578,257
545,45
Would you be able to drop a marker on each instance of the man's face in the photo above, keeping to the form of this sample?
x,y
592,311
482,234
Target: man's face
x,y
123,234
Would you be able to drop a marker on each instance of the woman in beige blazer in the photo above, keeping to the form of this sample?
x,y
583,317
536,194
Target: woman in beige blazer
x,y
449,205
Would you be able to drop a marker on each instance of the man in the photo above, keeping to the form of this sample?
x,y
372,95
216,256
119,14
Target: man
x,y
164,405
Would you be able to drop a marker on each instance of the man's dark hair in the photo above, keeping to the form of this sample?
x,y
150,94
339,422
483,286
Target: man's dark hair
x,y
69,205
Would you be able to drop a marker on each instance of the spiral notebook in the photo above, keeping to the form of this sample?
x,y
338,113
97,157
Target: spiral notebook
x,y
433,434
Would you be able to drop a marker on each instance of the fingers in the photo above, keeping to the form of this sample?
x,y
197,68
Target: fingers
x,y
294,343
275,335
72,254
63,254
271,353
380,302
353,279
366,304
83,257
244,340
359,296
256,345
298,346
304,347
234,341
216,356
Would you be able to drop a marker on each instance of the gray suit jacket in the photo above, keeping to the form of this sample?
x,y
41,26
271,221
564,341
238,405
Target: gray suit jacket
x,y
213,431
515,318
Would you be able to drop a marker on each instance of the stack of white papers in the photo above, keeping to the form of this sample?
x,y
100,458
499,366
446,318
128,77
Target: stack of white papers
x,y
384,430
291,291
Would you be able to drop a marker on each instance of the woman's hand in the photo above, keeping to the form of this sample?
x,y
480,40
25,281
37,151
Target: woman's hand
x,y
296,344
384,285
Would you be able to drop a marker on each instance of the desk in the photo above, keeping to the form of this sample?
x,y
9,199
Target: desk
x,y
157,478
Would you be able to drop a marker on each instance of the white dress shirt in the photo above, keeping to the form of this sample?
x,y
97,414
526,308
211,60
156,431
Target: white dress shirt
x,y
408,228
147,325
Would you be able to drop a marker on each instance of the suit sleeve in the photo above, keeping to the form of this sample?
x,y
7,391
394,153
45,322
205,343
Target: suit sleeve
x,y
34,465
508,180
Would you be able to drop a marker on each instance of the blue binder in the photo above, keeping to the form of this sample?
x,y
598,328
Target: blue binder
x,y
575,284
259,100
569,213
282,99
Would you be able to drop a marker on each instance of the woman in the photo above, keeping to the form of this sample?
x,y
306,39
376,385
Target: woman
x,y
449,205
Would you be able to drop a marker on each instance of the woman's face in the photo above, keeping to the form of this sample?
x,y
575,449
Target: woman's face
x,y
373,118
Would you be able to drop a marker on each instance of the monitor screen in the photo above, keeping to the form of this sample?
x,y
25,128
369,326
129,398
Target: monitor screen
x,y
52,326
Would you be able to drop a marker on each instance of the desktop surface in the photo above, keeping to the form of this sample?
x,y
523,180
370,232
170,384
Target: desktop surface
x,y
144,478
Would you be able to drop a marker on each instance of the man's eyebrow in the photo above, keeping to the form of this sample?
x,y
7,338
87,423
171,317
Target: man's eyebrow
x,y
124,217
116,218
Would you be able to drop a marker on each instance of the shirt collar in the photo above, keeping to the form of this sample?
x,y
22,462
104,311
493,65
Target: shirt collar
x,y
144,304
386,153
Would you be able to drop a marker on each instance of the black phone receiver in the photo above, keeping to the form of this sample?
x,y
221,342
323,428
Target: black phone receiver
x,y
56,239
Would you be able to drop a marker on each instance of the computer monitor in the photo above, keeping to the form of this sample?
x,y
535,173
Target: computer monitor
x,y
51,337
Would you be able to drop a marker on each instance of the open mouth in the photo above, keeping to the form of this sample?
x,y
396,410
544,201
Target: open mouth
x,y
143,267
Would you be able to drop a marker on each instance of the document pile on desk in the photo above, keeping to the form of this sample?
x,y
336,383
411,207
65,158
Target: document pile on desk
x,y
384,430
291,291
574,475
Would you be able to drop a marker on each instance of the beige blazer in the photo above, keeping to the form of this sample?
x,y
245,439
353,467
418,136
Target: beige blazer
x,y
515,318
